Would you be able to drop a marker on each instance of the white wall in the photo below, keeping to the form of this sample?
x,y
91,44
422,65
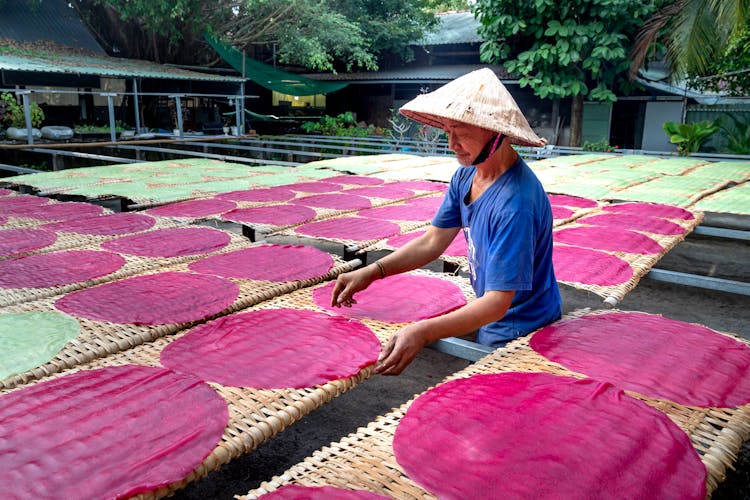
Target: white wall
x,y
654,137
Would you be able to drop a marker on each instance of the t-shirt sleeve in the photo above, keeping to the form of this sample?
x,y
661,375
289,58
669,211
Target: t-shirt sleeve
x,y
449,213
510,262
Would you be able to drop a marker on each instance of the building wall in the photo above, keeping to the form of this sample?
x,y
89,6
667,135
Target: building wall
x,y
654,137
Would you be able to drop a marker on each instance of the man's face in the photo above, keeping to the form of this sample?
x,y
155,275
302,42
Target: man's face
x,y
467,141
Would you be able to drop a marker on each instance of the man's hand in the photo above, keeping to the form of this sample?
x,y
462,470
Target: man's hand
x,y
401,349
348,284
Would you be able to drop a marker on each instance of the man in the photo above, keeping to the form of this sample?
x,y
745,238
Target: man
x,y
505,216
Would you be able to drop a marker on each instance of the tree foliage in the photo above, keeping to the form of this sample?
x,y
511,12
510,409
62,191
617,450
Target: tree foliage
x,y
563,48
316,34
730,72
697,35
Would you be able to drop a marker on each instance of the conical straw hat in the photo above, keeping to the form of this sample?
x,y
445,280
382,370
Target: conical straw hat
x,y
477,98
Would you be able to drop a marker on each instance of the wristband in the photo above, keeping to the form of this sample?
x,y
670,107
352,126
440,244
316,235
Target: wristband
x,y
382,269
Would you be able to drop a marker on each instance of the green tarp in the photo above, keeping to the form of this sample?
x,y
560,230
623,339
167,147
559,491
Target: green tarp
x,y
270,77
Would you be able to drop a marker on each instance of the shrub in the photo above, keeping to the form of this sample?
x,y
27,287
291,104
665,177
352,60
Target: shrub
x,y
12,114
689,136
343,125
601,145
738,135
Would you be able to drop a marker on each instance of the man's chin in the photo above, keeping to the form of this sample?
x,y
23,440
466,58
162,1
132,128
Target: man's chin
x,y
464,160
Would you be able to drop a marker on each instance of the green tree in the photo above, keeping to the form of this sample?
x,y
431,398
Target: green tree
x,y
563,48
316,34
696,34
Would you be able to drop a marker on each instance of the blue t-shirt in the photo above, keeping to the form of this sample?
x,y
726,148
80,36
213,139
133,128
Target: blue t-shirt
x,y
508,231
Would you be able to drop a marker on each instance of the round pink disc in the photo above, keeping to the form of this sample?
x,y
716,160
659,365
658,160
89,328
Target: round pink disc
x,y
314,187
3,220
277,215
655,356
338,201
259,195
152,299
9,205
457,248
349,228
274,349
653,209
590,267
398,299
432,202
107,433
193,208
632,221
105,225
267,262
402,211
18,241
355,180
571,201
172,242
613,239
559,212
58,268
390,191
6,192
59,211
520,435
424,186
298,492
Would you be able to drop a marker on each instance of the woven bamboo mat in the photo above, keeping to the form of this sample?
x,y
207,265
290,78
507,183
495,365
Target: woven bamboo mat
x,y
735,200
256,415
17,218
640,264
365,460
133,265
100,338
682,191
460,262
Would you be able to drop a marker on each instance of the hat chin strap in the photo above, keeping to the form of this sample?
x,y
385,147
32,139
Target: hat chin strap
x,y
488,149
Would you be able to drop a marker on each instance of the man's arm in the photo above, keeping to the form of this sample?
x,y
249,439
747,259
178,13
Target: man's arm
x,y
415,254
405,344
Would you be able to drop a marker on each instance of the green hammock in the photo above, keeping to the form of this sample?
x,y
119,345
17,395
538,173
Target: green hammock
x,y
270,77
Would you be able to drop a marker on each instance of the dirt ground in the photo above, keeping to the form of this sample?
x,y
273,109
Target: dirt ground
x,y
720,258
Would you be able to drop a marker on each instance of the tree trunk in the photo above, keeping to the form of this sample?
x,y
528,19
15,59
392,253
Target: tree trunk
x,y
576,121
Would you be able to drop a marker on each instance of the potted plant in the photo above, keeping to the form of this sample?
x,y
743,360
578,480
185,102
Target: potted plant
x,y
14,117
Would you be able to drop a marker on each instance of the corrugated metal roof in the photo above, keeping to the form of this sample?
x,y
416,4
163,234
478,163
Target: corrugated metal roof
x,y
51,20
101,66
454,27
432,74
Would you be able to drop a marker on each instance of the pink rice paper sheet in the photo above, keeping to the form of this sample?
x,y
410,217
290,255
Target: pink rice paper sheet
x,y
314,187
564,200
531,426
274,349
126,429
400,212
267,263
334,201
171,242
3,220
389,191
259,195
354,180
10,204
400,298
53,211
562,213
646,223
652,209
193,209
457,248
105,225
57,269
652,355
576,265
153,299
7,192
271,216
612,239
16,242
298,492
429,186
349,229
